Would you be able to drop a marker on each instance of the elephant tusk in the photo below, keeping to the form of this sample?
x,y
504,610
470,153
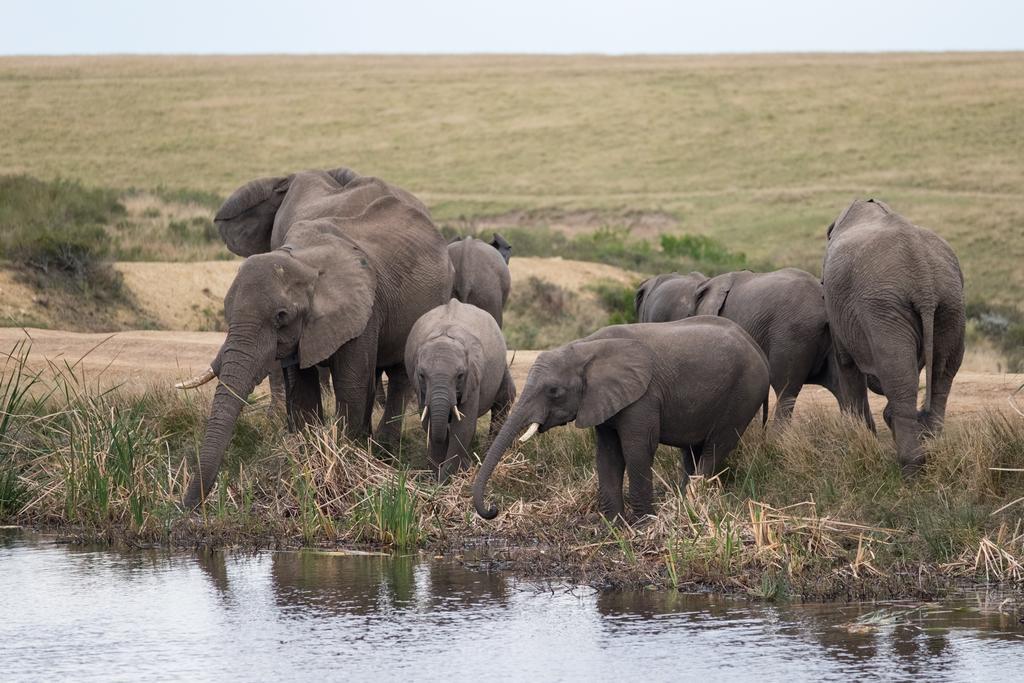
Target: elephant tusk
x,y
529,432
196,381
428,433
458,415
424,415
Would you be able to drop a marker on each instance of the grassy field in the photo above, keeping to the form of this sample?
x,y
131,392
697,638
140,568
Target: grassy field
x,y
760,152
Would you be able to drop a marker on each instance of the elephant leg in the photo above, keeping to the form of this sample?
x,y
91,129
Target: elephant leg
x,y
610,470
638,450
381,396
853,393
690,456
278,399
389,430
503,401
303,397
789,370
353,374
899,375
717,448
947,358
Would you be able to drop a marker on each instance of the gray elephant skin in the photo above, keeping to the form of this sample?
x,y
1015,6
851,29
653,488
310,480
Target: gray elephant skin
x,y
342,286
482,277
694,384
784,311
895,303
455,359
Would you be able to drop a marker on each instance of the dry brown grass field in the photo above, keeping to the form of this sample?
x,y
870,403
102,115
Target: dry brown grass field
x,y
758,151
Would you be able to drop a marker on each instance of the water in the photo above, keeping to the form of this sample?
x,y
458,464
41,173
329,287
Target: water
x,y
88,614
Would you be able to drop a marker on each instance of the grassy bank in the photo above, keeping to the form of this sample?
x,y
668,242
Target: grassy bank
x,y
818,510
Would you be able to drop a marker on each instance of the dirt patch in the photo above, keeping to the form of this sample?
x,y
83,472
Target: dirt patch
x,y
572,275
181,296
645,224
142,359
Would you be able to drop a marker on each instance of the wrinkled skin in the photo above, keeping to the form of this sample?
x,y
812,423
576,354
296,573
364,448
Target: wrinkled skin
x,y
894,297
257,216
694,384
455,359
784,311
339,292
482,277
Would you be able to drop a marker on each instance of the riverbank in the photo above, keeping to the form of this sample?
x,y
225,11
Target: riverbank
x,y
818,510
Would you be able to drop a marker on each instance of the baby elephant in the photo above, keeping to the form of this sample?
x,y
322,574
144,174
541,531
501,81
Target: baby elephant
x,y
455,358
482,277
784,311
694,384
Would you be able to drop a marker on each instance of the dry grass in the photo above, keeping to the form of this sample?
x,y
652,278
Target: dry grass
x,y
816,510
758,151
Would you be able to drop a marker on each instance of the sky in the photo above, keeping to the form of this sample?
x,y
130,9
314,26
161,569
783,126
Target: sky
x,y
33,27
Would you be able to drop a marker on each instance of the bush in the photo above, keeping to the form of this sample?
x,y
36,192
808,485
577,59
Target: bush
x,y
615,246
1004,327
56,227
617,300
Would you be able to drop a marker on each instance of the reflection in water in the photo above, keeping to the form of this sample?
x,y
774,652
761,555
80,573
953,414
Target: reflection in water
x,y
84,613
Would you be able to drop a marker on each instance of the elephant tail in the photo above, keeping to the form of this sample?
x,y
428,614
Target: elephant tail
x,y
927,332
764,411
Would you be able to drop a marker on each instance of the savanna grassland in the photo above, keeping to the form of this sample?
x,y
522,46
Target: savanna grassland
x,y
760,152
645,163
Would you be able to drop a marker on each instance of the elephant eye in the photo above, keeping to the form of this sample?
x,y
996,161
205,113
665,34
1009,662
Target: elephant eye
x,y
555,392
281,317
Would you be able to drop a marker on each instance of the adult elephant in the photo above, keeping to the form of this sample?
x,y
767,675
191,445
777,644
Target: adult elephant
x,y
895,303
257,216
341,292
784,311
482,277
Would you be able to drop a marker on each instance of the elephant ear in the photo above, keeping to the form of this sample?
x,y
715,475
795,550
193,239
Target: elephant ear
x,y
642,291
343,176
343,293
503,247
616,373
710,296
246,220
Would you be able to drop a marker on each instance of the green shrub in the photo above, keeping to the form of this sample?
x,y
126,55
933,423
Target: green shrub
x,y
56,227
615,246
617,300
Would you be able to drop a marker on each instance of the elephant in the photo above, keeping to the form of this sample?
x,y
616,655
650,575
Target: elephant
x,y
455,360
482,277
784,311
694,384
338,291
895,303
256,217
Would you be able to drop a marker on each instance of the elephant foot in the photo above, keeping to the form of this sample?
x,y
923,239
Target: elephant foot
x,y
931,424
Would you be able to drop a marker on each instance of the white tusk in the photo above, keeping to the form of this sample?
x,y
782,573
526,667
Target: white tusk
x,y
424,415
428,433
196,381
458,415
529,432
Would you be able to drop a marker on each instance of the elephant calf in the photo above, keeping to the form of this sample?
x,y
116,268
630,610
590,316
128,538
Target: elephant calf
x,y
894,294
482,277
455,357
784,311
694,384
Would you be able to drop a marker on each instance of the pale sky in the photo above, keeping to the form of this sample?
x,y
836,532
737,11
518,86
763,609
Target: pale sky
x,y
520,26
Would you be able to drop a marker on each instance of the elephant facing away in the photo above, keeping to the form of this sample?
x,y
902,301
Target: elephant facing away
x,y
784,311
694,384
895,303
340,292
455,359
482,277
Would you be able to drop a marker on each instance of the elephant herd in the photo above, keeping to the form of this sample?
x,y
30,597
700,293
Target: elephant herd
x,y
347,276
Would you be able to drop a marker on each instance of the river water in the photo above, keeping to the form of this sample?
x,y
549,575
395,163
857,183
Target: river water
x,y
92,614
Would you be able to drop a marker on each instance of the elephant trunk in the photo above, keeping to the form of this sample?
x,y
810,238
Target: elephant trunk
x,y
238,375
515,423
439,404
